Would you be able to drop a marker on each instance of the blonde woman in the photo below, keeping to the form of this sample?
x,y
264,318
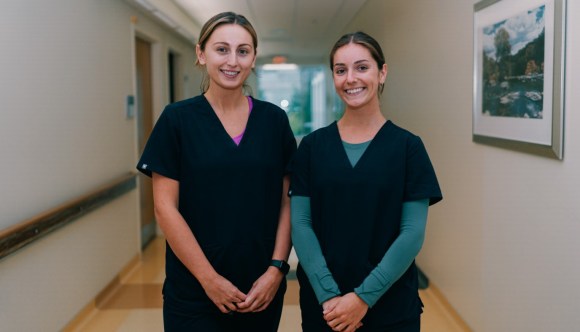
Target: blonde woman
x,y
218,163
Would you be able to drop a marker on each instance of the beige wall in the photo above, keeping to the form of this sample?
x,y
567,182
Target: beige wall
x,y
47,283
66,67
502,246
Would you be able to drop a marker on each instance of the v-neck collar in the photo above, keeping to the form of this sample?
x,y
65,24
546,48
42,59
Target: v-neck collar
x,y
224,134
338,141
355,150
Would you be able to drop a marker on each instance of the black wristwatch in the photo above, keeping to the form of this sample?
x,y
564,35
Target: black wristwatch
x,y
281,265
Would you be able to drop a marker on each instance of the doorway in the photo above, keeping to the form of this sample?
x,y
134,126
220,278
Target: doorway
x,y
175,79
145,125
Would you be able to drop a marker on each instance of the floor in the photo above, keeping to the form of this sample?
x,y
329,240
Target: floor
x,y
136,305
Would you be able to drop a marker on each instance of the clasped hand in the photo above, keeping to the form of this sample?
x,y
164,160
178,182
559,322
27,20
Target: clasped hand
x,y
228,298
344,313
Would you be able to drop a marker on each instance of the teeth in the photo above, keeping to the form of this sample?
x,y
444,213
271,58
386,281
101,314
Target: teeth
x,y
353,91
230,73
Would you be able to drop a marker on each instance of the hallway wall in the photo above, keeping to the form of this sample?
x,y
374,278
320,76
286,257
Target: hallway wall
x,y
66,68
502,245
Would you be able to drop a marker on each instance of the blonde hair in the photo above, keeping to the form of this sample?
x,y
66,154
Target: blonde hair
x,y
211,25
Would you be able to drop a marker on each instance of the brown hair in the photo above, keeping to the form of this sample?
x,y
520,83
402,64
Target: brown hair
x,y
364,40
212,24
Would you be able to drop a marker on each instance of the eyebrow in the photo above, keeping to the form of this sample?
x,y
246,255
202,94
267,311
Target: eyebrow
x,y
228,44
356,62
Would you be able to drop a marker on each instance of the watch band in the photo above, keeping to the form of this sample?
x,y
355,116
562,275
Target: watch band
x,y
281,265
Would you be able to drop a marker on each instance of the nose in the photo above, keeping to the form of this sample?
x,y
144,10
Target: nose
x,y
232,59
350,76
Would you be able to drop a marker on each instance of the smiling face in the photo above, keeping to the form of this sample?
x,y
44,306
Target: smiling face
x,y
228,56
357,75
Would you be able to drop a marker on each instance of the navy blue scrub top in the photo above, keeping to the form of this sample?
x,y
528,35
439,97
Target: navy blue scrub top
x,y
356,211
229,194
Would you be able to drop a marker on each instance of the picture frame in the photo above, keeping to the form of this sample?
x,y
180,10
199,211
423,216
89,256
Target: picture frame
x,y
518,78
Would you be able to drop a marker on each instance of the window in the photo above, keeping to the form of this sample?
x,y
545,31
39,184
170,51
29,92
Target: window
x,y
305,92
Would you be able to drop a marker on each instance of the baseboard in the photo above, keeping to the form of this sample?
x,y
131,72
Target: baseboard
x,y
85,314
448,308
81,317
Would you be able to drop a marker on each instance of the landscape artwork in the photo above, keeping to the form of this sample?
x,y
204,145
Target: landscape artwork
x,y
518,75
513,66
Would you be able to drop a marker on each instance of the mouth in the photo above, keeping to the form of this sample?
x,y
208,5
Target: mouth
x,y
353,92
230,73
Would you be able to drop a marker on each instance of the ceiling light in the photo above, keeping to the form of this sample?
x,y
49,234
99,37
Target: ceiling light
x,y
280,66
279,59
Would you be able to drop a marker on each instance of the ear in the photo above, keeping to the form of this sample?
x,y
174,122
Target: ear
x,y
200,54
255,56
383,73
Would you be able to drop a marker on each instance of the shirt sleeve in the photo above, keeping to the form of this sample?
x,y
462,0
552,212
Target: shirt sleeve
x,y
399,256
420,179
162,150
309,252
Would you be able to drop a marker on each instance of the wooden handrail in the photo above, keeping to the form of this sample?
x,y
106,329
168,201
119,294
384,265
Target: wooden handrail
x,y
26,232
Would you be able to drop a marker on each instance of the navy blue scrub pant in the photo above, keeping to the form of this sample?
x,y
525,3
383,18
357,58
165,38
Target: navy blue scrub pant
x,y
311,324
312,320
177,320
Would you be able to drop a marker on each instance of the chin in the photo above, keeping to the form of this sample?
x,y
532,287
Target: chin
x,y
357,104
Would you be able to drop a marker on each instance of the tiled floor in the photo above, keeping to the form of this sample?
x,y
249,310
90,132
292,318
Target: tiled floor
x,y
136,305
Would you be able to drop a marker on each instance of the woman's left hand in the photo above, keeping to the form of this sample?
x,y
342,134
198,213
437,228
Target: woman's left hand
x,y
263,291
347,313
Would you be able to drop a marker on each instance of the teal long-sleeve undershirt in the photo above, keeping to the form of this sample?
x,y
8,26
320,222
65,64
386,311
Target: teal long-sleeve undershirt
x,y
394,263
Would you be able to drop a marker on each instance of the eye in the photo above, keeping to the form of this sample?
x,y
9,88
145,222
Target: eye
x,y
363,68
244,51
339,71
221,49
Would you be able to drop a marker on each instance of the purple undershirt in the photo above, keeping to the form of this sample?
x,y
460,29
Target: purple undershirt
x,y
238,138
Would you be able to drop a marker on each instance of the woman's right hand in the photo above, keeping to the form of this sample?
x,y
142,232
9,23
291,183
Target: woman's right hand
x,y
223,293
329,305
346,313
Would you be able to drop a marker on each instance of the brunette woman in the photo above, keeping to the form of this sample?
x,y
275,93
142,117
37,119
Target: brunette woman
x,y
360,191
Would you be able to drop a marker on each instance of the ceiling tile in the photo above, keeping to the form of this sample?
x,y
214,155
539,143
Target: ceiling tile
x,y
294,28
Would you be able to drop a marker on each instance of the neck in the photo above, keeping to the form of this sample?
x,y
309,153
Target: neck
x,y
359,125
225,100
363,118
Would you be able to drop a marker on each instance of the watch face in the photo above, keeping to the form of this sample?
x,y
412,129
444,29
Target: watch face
x,y
282,265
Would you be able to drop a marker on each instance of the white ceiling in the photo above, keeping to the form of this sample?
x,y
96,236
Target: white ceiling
x,y
297,29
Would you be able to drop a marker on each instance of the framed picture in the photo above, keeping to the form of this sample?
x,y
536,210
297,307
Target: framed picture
x,y
518,86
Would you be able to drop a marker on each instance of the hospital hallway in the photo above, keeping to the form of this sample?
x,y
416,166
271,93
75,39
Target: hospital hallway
x,y
134,303
83,84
